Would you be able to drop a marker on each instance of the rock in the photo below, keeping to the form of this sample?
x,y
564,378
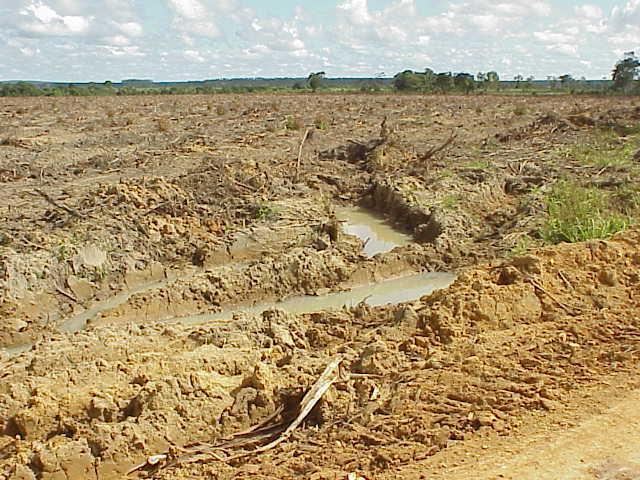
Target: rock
x,y
82,288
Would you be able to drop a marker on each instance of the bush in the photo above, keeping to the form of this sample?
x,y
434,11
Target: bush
x,y
576,214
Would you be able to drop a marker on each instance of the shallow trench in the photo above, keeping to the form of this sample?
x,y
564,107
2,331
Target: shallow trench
x,y
378,235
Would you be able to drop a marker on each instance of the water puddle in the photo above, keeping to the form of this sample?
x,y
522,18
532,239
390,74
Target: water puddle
x,y
373,229
386,292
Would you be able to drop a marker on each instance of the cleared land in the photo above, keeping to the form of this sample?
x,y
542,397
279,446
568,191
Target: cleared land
x,y
120,216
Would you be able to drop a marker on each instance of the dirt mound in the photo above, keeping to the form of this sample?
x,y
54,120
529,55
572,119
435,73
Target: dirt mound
x,y
504,340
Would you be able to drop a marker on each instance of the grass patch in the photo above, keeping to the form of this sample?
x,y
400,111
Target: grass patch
x,y
479,165
522,246
450,202
320,123
576,214
293,123
606,151
265,211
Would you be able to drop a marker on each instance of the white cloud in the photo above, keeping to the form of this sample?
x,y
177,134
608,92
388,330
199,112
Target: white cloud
x,y
193,18
40,19
194,55
553,37
210,38
132,29
592,12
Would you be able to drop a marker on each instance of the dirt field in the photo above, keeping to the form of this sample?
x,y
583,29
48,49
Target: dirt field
x,y
125,221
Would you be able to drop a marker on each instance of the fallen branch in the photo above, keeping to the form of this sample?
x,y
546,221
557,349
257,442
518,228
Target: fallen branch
x,y
313,396
566,308
66,294
261,432
56,204
304,139
430,153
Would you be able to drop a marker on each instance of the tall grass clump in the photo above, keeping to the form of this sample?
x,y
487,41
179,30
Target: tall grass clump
x,y
576,214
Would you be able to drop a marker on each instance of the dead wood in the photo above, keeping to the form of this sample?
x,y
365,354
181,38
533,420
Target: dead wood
x,y
59,205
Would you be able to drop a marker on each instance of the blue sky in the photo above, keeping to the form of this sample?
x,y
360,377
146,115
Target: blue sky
x,y
96,40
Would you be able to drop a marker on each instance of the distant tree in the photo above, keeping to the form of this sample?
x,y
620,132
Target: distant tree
x,y
408,80
565,80
464,82
444,81
315,80
625,72
518,78
491,79
528,84
481,77
429,78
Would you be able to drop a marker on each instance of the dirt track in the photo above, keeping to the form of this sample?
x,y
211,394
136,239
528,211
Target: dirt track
x,y
215,208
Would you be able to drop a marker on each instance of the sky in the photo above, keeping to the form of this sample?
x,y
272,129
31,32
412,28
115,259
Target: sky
x,y
172,40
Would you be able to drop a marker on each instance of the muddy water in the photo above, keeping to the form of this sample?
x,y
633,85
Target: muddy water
x,y
377,233
391,291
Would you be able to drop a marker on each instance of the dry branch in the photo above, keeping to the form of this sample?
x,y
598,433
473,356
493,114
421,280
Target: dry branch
x,y
261,432
56,204
304,139
309,401
430,153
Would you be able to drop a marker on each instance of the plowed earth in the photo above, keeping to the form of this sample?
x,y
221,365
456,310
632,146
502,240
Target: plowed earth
x,y
525,367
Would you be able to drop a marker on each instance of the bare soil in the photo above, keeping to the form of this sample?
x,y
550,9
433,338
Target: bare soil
x,y
526,367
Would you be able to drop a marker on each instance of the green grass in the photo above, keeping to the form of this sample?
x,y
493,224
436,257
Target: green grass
x,y
479,165
320,123
522,246
450,202
293,123
606,150
265,211
576,214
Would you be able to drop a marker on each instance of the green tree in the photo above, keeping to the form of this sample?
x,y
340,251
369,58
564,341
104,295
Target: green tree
x,y
444,81
464,82
315,80
492,79
625,72
408,80
518,78
565,80
429,78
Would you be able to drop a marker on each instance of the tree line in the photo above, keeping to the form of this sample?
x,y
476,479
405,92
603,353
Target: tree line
x,y
625,79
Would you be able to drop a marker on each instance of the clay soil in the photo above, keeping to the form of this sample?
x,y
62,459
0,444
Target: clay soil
x,y
142,210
